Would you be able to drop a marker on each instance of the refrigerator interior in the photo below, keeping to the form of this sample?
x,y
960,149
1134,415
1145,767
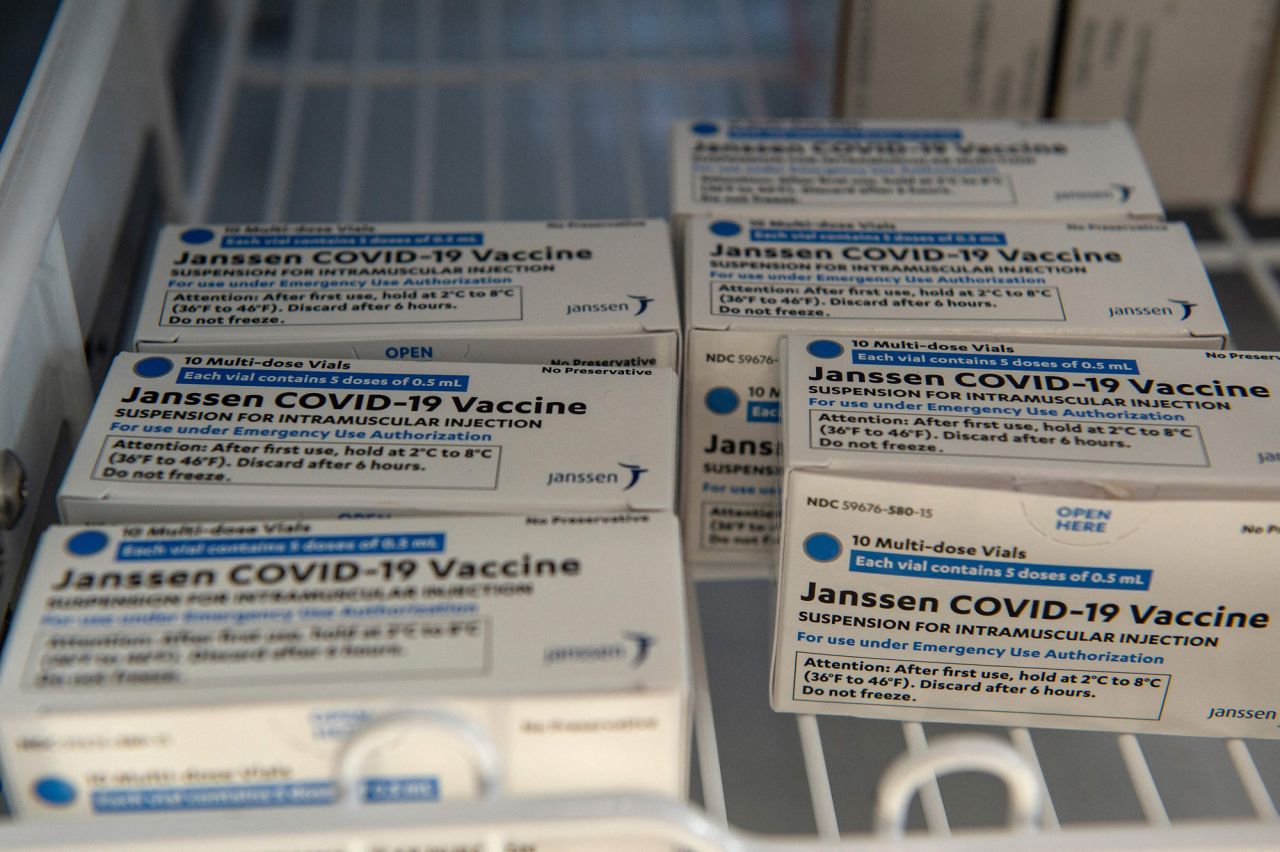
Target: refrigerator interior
x,y
338,110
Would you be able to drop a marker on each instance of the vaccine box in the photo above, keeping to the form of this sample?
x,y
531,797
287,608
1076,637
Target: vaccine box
x,y
1067,537
749,281
199,437
227,665
1263,191
634,823
597,293
909,168
945,58
1186,74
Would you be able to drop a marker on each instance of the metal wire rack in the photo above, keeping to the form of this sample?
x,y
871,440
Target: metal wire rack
x,y
326,110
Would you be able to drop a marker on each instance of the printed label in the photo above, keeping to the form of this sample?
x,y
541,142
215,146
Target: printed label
x,y
296,463
250,644
318,304
1006,437
959,686
750,527
423,788
939,180
1030,304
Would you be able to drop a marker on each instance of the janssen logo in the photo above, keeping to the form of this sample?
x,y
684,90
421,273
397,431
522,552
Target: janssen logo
x,y
634,649
1181,309
636,472
629,476
637,306
1117,192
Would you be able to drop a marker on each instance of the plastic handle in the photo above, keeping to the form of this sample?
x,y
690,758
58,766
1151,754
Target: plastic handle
x,y
377,732
910,772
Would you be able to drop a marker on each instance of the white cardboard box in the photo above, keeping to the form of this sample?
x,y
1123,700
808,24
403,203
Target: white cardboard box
x,y
748,282
197,437
1030,535
636,823
1185,74
969,605
178,667
909,169
945,58
1264,175
572,292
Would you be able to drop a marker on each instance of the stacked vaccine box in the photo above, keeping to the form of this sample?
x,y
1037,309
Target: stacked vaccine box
x,y
944,58
480,622
1006,533
919,169
164,667
200,437
751,280
1188,76
914,228
575,293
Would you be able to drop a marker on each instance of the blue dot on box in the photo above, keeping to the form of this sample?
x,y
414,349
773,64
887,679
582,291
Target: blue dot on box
x,y
822,547
86,543
725,228
53,790
824,349
153,368
705,128
196,236
722,400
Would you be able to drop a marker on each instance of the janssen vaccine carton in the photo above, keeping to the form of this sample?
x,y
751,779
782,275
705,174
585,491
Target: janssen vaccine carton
x,y
909,168
578,293
1188,76
1071,537
639,823
1263,174
944,58
198,437
241,665
750,281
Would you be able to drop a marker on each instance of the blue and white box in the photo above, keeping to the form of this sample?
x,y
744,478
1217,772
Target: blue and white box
x,y
201,437
576,293
1050,536
231,666
903,168
750,281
